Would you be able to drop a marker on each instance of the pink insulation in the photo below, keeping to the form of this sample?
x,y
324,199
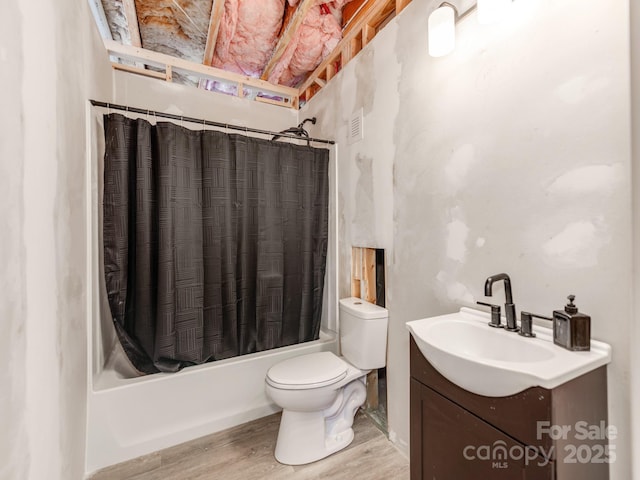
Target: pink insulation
x,y
248,34
318,35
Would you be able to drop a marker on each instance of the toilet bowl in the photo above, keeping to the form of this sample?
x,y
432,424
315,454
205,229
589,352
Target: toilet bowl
x,y
320,393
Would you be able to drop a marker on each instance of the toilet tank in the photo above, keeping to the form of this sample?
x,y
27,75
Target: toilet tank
x,y
363,333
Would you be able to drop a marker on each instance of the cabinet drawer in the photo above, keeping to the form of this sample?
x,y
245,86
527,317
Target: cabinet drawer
x,y
458,445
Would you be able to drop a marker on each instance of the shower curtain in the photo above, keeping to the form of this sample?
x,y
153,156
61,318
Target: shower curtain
x,y
214,244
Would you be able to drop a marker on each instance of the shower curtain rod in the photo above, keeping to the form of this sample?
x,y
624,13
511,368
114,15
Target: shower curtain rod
x,y
199,121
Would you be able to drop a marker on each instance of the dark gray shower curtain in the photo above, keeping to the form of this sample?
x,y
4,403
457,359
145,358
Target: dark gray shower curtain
x,y
214,244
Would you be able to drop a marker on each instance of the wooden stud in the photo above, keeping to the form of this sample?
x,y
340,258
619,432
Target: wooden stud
x,y
240,90
331,71
169,74
271,101
321,83
369,10
350,10
345,54
369,274
368,32
285,38
356,45
139,71
131,16
356,271
217,9
162,60
401,4
373,13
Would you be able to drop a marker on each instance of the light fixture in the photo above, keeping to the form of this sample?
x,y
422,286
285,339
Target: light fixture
x,y
442,30
492,11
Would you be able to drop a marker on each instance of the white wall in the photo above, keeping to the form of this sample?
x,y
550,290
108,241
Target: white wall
x,y
52,60
511,154
634,338
14,440
148,93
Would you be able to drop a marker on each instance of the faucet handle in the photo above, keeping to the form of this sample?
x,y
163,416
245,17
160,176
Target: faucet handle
x,y
495,314
526,322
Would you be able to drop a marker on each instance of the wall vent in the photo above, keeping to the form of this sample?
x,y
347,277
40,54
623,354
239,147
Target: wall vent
x,y
355,127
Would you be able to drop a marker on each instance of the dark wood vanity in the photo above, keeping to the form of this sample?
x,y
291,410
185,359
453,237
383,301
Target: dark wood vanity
x,y
537,434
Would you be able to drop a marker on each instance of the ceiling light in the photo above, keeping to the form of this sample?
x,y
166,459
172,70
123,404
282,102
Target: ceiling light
x,y
492,11
442,30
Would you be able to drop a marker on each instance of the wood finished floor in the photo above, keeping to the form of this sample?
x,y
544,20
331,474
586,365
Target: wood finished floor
x,y
245,452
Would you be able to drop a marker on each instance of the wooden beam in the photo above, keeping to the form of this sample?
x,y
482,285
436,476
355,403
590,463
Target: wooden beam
x,y
365,11
345,55
271,101
139,71
131,16
285,38
369,274
217,9
169,74
161,60
371,13
331,71
368,32
401,4
356,270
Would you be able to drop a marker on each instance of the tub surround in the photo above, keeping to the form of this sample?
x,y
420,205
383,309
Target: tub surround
x,y
129,417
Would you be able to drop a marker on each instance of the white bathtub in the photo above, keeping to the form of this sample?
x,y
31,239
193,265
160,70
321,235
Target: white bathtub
x,y
129,417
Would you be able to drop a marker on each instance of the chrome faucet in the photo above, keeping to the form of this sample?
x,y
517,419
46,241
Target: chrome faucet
x,y
509,306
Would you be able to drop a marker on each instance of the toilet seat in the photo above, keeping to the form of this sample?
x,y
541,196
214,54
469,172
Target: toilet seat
x,y
314,370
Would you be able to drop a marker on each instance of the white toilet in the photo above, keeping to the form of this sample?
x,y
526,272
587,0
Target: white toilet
x,y
320,393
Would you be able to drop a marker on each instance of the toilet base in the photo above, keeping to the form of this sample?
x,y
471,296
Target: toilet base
x,y
306,437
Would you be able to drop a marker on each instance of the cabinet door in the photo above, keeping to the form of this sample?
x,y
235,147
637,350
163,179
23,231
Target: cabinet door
x,y
455,444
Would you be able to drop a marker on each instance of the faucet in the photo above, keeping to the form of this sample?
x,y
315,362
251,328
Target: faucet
x,y
509,307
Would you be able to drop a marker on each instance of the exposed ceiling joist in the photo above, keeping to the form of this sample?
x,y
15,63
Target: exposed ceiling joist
x,y
162,60
132,22
371,14
368,10
288,34
217,9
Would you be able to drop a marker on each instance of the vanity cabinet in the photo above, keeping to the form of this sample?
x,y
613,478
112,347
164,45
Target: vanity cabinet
x,y
537,434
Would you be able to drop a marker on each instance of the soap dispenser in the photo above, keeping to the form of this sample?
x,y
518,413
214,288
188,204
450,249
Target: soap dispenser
x,y
572,329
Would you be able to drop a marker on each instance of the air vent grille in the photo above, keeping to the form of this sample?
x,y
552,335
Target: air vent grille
x,y
355,127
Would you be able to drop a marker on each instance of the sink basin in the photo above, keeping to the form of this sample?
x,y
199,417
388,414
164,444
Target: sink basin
x,y
496,363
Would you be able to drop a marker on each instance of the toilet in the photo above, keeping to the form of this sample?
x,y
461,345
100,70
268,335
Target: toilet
x,y
320,392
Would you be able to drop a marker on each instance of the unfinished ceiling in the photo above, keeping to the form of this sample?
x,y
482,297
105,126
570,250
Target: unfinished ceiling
x,y
288,43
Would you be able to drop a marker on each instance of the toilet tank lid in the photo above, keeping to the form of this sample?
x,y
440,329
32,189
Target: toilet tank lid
x,y
362,309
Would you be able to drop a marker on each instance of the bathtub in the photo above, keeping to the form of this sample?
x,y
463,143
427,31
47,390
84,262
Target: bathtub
x,y
129,417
